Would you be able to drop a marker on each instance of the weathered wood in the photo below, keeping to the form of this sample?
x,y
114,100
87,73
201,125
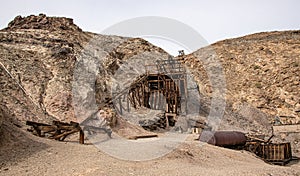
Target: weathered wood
x,y
58,130
128,103
164,88
31,123
81,137
37,127
286,128
143,136
62,136
154,99
121,107
275,153
47,129
159,100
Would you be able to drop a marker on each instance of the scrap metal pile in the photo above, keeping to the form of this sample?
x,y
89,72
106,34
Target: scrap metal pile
x,y
275,153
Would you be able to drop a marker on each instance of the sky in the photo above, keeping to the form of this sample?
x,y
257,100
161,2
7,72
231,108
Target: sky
x,y
214,20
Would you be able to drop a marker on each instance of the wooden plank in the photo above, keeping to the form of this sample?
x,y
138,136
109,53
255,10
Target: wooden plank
x,y
167,121
31,123
286,128
62,136
151,99
128,103
47,129
185,94
121,107
115,106
158,81
81,137
159,100
144,93
154,104
133,99
139,96
142,136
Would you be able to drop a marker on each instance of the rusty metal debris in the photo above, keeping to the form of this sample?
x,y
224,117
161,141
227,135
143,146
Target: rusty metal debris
x,y
275,153
224,138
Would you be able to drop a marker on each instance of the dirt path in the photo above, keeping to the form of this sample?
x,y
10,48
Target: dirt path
x,y
37,156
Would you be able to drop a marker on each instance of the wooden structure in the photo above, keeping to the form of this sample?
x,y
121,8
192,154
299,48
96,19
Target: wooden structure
x,y
58,130
275,153
162,87
294,128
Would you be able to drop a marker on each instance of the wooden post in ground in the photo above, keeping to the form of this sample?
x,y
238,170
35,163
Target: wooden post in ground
x,y
81,137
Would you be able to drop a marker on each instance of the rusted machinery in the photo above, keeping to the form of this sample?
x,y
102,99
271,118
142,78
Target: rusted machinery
x,y
58,130
280,153
228,139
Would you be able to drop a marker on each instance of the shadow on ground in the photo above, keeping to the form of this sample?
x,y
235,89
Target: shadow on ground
x,y
16,145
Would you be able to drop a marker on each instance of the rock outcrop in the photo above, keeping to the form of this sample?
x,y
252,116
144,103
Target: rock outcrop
x,y
42,22
261,71
39,55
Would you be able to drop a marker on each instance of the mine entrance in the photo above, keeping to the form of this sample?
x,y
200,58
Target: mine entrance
x,y
162,87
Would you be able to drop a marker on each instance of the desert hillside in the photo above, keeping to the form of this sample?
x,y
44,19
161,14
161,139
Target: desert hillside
x,y
50,69
39,55
40,65
261,70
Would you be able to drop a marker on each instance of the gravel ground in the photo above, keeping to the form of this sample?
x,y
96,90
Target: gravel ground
x,y
25,154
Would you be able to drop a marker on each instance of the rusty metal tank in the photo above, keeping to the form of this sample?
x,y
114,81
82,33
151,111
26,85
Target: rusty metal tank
x,y
223,138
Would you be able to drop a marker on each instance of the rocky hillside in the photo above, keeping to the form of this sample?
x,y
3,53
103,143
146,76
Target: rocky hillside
x,y
261,70
43,58
38,58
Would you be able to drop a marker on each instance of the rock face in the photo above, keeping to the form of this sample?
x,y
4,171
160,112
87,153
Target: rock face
x,y
42,22
39,55
1,117
261,71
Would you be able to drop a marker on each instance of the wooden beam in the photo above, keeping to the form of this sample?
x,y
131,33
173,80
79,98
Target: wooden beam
x,y
154,104
128,103
151,99
286,128
159,100
81,137
121,107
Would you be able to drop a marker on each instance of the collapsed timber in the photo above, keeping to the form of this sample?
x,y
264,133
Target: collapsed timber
x,y
58,130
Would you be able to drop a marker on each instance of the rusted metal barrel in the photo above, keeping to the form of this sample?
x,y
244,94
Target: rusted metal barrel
x,y
223,138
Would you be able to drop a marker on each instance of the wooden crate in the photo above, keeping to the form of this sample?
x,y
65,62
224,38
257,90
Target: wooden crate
x,y
275,153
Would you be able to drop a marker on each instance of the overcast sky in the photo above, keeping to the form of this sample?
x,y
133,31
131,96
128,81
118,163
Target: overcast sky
x,y
213,19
